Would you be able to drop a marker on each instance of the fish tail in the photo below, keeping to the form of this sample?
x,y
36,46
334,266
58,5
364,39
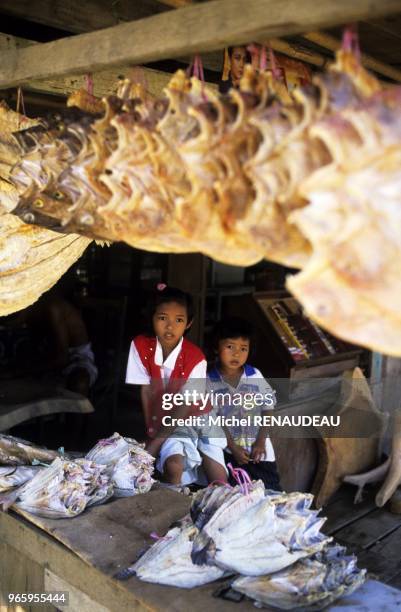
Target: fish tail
x,y
203,550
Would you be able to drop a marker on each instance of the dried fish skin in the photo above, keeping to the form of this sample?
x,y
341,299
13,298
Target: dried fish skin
x,y
32,260
349,215
64,489
169,562
310,584
127,463
15,451
234,503
11,477
108,451
269,536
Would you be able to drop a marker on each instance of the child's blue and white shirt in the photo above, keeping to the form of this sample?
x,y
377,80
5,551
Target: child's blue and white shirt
x,y
253,396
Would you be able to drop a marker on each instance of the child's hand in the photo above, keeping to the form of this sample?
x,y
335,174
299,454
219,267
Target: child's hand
x,y
240,455
258,451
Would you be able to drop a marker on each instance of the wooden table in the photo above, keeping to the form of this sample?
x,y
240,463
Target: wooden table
x,y
81,555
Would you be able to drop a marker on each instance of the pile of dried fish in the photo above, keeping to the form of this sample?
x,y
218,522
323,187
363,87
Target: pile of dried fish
x,y
15,451
264,537
309,181
11,477
310,584
129,465
63,490
272,538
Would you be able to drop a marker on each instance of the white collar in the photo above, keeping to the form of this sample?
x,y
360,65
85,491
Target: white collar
x,y
171,359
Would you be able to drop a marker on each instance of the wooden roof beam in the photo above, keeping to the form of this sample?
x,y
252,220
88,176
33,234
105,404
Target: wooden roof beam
x,y
202,27
330,42
104,82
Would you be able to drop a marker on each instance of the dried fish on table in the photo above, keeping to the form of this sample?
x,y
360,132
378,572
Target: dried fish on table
x,y
214,508
310,584
129,465
15,451
169,562
11,477
265,537
63,490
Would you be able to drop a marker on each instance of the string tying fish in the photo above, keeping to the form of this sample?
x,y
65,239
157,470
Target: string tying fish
x,y
89,83
155,536
241,477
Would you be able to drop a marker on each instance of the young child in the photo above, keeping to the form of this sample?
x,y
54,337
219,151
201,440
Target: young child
x,y
237,383
164,363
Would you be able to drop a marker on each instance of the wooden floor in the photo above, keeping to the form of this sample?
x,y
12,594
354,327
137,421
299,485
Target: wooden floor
x,y
373,534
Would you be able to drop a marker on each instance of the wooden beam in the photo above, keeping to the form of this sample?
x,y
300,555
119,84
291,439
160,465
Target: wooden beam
x,y
203,27
104,82
80,16
298,52
329,42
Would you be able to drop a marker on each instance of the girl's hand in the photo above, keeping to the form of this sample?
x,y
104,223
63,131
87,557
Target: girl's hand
x,y
258,451
240,455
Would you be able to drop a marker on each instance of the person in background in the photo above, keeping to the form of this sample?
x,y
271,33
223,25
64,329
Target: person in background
x,y
235,59
59,343
249,446
163,363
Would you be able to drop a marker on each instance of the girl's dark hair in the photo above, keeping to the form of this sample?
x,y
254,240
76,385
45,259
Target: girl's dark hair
x,y
231,327
172,294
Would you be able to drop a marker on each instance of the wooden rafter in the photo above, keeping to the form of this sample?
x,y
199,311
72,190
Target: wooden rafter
x,y
169,35
104,82
329,42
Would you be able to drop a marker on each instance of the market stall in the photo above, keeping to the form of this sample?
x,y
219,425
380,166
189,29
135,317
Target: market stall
x,y
193,172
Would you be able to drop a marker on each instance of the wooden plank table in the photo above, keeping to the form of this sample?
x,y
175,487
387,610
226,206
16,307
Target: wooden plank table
x,y
82,555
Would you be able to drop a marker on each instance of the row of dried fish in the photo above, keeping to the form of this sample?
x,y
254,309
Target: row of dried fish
x,y
116,466
272,539
309,181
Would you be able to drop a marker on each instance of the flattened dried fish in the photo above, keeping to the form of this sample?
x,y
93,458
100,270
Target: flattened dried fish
x,y
11,477
310,584
14,451
266,537
213,511
64,489
169,562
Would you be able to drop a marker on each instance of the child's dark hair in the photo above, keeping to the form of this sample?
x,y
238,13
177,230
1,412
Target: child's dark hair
x,y
165,294
231,327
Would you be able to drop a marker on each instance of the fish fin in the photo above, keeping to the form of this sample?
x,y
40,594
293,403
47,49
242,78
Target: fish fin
x,y
125,573
203,550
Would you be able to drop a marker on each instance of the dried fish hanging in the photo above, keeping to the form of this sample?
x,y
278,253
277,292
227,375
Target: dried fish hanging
x,y
32,258
250,175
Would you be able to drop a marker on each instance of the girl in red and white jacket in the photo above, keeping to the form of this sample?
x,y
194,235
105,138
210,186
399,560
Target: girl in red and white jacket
x,y
166,364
